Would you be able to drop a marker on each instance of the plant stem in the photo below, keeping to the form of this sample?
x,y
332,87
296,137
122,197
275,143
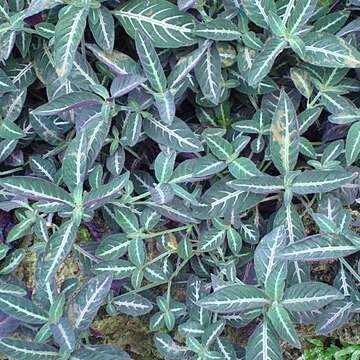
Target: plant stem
x,y
168,231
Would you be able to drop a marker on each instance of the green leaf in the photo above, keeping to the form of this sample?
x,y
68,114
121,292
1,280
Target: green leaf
x,y
155,274
352,148
258,11
68,33
212,332
218,30
281,322
234,240
150,62
243,168
263,62
307,118
102,27
337,314
137,252
318,247
317,181
83,307
57,248
104,193
12,289
265,256
22,309
64,335
6,85
121,269
184,66
208,165
234,298
165,104
132,129
127,220
258,184
36,189
164,165
284,143
27,350
220,147
9,130
211,240
308,296
263,344
302,81
117,62
163,22
75,161
176,135
302,12
112,247
67,102
330,51
42,168
123,84
208,74
132,304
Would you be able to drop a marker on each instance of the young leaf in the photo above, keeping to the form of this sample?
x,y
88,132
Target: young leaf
x,y
284,144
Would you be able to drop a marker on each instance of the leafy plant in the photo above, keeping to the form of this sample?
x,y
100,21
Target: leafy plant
x,y
219,143
333,351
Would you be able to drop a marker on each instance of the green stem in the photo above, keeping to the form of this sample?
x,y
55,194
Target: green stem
x,y
168,231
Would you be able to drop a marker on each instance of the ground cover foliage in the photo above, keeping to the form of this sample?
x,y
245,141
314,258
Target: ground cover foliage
x,y
216,142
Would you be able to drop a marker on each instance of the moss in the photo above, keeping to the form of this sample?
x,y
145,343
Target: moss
x,y
84,235
26,270
128,333
70,269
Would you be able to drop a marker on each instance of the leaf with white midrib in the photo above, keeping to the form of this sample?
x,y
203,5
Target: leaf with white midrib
x,y
68,33
26,350
163,22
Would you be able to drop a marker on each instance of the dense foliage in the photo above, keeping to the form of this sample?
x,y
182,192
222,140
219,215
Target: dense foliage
x,y
216,141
